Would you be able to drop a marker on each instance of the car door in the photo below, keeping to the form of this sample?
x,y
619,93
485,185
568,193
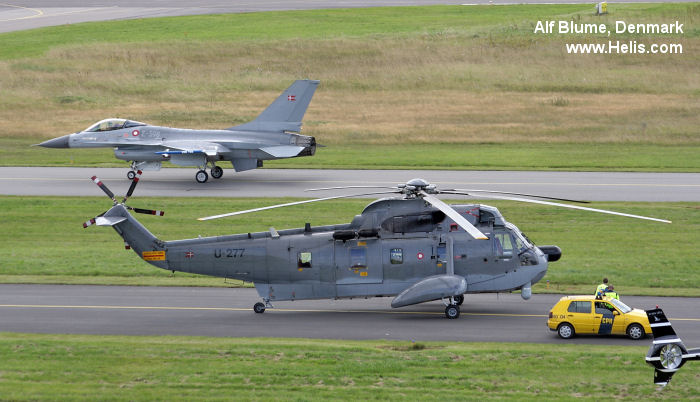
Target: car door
x,y
604,318
580,314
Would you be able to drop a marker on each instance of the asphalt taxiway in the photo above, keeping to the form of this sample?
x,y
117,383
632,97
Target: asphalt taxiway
x,y
592,186
227,312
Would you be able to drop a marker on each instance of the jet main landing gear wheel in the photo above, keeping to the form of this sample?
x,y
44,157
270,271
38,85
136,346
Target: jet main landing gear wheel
x,y
217,172
201,176
130,175
259,308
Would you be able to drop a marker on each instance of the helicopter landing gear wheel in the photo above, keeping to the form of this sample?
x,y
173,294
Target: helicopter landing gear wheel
x,y
216,172
130,175
201,176
452,311
459,299
259,308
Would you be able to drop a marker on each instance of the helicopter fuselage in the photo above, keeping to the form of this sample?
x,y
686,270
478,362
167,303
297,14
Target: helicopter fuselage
x,y
392,245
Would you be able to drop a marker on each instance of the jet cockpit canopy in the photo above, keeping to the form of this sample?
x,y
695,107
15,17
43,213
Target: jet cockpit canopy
x,y
113,124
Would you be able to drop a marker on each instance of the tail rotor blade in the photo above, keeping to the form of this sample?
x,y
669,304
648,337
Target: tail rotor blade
x,y
103,187
92,221
134,182
148,211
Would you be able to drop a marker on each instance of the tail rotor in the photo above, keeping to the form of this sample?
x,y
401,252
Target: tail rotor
x,y
110,194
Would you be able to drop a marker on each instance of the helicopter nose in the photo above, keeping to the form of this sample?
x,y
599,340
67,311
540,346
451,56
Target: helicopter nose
x,y
60,142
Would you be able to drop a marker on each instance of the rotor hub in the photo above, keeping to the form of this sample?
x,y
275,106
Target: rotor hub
x,y
413,187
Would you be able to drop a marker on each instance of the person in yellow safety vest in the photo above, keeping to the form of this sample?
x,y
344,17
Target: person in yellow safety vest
x,y
600,290
611,293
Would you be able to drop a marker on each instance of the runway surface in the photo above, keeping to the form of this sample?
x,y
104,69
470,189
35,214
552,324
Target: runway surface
x,y
18,15
593,186
227,312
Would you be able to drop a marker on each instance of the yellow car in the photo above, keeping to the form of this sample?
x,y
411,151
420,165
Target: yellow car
x,y
587,315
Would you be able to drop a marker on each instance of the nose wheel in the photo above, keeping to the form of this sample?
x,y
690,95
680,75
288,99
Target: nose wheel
x,y
130,175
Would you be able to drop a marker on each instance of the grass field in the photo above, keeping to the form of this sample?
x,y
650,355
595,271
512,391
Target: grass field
x,y
81,367
43,240
443,87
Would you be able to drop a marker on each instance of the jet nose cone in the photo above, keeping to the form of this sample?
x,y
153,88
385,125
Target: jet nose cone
x,y
60,142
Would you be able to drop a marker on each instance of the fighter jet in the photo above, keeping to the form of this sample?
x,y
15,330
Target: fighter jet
x,y
274,134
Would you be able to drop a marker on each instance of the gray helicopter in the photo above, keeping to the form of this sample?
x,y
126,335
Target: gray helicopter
x,y
274,134
413,246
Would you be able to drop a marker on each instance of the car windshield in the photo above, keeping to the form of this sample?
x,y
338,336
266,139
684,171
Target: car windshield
x,y
113,124
621,306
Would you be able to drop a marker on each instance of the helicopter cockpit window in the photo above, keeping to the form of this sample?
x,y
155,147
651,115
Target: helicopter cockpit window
x,y
358,258
396,255
503,244
304,260
522,243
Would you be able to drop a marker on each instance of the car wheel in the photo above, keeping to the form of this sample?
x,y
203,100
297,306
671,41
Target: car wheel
x,y
259,308
566,330
635,331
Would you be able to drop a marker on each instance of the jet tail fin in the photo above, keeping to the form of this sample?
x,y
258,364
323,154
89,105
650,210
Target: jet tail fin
x,y
286,112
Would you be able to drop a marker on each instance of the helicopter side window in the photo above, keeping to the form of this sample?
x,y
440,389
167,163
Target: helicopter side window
x,y
503,244
396,255
304,260
358,258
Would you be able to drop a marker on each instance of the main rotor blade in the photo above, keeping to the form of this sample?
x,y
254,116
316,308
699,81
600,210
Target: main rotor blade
x,y
289,204
103,187
556,204
343,187
454,215
134,182
460,191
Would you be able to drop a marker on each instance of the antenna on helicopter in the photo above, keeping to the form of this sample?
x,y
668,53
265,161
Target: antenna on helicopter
x,y
98,220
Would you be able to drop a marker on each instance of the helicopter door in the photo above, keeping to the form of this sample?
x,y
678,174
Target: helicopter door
x,y
488,271
358,262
